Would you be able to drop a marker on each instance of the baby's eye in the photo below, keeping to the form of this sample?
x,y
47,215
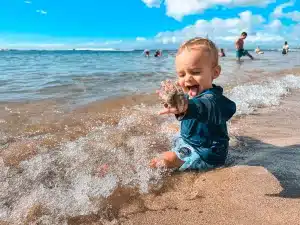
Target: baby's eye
x,y
194,72
180,74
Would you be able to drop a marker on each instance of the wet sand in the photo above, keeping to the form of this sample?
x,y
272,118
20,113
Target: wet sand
x,y
34,127
261,184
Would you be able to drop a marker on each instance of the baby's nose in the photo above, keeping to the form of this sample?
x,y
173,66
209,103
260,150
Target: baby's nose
x,y
188,77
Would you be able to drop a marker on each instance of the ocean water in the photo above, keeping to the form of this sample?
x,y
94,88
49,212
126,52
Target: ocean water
x,y
77,129
80,77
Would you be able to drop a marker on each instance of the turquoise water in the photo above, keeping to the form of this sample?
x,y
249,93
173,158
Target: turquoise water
x,y
84,76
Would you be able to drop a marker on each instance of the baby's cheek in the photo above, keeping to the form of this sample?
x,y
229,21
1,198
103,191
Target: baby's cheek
x,y
181,84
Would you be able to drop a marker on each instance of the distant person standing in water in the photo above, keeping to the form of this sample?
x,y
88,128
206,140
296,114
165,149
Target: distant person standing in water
x,y
222,53
285,48
157,53
146,52
258,50
239,45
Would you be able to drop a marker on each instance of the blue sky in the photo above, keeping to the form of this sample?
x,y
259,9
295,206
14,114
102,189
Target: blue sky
x,y
64,24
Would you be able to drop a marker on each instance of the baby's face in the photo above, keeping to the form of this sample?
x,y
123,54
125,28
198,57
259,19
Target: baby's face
x,y
196,70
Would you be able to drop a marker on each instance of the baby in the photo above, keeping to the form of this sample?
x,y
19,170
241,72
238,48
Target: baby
x,y
200,106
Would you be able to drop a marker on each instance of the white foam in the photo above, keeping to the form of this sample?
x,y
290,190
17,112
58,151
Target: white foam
x,y
66,181
249,97
4,210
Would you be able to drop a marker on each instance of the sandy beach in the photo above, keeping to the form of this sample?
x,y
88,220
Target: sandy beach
x,y
261,187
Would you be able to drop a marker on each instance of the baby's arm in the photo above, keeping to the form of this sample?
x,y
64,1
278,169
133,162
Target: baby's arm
x,y
210,108
175,102
204,109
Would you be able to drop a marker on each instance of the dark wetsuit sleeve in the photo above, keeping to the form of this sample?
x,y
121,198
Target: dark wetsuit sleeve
x,y
204,109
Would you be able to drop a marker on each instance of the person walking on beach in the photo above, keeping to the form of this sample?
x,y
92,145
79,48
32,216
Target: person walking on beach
x,y
285,48
239,45
201,108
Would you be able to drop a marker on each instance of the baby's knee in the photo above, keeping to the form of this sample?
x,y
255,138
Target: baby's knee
x,y
171,160
167,159
169,156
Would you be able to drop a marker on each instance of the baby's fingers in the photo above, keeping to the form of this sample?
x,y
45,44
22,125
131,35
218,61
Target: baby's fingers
x,y
161,94
177,83
168,111
169,86
163,84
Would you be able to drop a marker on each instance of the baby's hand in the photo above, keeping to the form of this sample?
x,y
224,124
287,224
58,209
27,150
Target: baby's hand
x,y
156,163
172,97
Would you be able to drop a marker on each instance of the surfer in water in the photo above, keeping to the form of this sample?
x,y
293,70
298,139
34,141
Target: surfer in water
x,y
285,48
239,45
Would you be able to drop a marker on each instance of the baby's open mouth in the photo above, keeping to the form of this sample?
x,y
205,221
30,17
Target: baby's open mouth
x,y
193,90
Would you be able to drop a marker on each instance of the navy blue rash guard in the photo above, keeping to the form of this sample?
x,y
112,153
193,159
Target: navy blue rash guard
x,y
203,126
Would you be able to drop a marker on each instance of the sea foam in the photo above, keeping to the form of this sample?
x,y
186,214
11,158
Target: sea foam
x,y
66,182
252,96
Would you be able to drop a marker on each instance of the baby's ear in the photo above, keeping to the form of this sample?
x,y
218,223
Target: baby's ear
x,y
217,71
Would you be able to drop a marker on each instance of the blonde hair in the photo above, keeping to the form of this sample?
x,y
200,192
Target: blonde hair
x,y
203,43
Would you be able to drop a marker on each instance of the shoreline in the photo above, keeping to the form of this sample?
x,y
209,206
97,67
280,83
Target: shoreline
x,y
256,75
48,120
262,170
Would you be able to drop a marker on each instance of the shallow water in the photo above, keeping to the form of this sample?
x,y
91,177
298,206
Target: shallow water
x,y
85,76
70,140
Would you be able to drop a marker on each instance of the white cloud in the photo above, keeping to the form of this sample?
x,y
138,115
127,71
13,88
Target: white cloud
x,y
294,15
295,32
27,2
225,31
275,25
140,39
152,3
50,43
33,46
216,28
43,12
180,8
113,42
278,10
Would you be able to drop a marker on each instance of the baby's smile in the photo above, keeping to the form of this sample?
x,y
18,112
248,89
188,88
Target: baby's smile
x,y
193,90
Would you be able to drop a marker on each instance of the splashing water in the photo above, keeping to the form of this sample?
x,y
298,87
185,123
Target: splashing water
x,y
68,181
79,177
249,97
